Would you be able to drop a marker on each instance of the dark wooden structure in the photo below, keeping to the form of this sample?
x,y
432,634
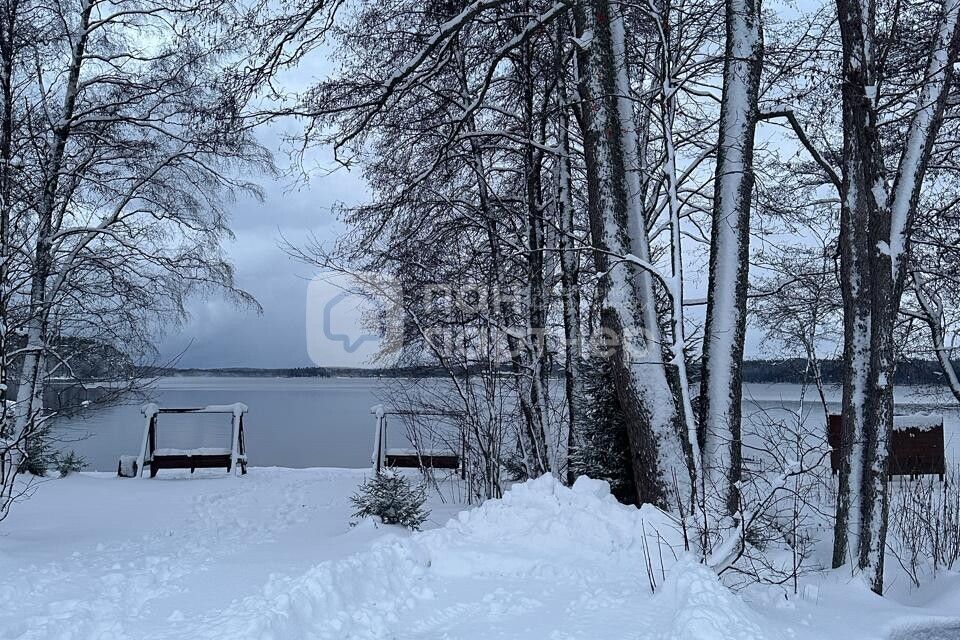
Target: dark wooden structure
x,y
233,458
408,458
916,446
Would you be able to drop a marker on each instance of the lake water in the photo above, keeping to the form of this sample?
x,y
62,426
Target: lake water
x,y
292,422
311,422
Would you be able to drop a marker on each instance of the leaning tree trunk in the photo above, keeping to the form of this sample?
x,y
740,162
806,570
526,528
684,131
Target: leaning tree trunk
x,y
719,429
628,315
932,311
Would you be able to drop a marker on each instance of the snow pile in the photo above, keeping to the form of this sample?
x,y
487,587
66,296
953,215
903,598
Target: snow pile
x,y
540,533
701,608
541,521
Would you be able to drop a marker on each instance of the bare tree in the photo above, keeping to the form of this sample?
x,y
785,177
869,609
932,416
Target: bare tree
x,y
875,228
132,155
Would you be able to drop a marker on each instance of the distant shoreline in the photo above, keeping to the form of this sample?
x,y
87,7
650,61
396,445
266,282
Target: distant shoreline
x,y
789,371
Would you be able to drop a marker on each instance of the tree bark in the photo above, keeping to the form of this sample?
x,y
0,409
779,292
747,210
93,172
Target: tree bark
x,y
874,244
618,227
719,428
569,262
8,26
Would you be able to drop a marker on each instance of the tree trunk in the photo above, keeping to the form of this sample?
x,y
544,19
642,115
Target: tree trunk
x,y
537,299
857,216
719,429
7,52
618,226
874,243
569,261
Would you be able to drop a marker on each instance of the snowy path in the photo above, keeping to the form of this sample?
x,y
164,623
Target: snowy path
x,y
100,557
270,557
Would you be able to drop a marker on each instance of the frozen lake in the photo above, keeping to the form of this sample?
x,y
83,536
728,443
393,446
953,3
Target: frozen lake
x,y
311,422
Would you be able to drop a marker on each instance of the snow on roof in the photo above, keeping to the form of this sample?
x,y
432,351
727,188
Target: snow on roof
x,y
921,421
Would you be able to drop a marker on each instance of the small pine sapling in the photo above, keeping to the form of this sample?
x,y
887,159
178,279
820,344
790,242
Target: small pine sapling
x,y
70,463
603,450
391,497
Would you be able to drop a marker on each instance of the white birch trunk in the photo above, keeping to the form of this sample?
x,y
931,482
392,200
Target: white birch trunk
x,y
729,257
30,391
618,226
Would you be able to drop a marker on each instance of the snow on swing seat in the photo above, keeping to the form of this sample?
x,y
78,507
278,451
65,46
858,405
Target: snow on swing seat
x,y
202,451
187,438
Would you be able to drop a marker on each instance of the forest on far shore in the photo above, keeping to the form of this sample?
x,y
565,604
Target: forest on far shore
x,y
787,371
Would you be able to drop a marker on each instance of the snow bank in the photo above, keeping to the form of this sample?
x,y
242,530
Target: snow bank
x,y
701,608
540,530
539,521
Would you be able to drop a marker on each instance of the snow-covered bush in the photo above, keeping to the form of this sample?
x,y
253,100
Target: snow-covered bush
x,y
69,463
603,446
40,454
786,498
391,497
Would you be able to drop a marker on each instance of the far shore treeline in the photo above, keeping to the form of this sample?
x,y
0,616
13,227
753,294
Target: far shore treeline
x,y
787,371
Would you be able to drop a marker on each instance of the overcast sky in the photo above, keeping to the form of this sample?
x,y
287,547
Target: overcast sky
x,y
218,334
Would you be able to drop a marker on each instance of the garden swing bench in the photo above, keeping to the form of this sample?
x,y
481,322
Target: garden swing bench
x,y
416,458
233,458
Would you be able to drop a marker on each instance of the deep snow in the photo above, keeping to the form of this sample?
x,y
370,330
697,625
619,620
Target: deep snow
x,y
271,555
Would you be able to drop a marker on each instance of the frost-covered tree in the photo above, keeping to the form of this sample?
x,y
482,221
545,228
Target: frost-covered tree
x,y
594,149
484,91
877,214
725,330
126,153
892,66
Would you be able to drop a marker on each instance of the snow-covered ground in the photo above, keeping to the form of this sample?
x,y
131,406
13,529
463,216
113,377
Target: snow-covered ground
x,y
271,555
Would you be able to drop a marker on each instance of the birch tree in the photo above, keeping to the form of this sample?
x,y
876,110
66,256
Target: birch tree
x,y
720,406
129,147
